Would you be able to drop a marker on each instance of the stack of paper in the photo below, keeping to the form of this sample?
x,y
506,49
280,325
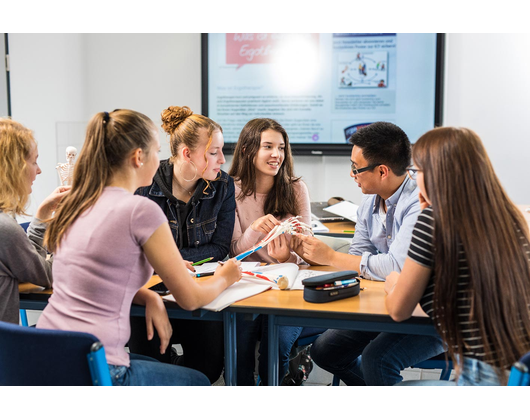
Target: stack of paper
x,y
346,209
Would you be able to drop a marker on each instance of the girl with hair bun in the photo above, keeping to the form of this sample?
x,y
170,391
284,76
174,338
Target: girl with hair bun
x,y
198,200
107,242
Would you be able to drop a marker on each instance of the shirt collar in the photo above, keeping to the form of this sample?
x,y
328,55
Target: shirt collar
x,y
394,198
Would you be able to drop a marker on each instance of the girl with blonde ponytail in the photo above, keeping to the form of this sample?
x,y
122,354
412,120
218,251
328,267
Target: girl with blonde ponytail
x,y
107,242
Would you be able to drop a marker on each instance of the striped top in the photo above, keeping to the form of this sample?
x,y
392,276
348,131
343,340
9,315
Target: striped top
x,y
421,251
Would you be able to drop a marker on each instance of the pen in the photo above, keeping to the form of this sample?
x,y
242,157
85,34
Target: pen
x,y
202,261
348,231
344,286
339,283
209,273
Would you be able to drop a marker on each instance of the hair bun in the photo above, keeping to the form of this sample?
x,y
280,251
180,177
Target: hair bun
x,y
173,116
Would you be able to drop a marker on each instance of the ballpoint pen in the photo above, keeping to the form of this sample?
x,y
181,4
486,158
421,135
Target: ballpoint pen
x,y
209,273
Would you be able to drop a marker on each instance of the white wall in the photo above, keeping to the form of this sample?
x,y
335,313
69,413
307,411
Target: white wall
x,y
488,90
69,77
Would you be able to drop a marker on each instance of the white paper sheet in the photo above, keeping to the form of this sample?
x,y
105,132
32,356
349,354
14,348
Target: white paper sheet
x,y
345,209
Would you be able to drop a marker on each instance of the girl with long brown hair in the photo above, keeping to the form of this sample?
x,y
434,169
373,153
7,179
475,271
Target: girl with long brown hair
x,y
468,262
267,192
107,242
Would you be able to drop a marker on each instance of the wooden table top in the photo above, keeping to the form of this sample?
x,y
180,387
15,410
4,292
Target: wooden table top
x,y
339,227
371,300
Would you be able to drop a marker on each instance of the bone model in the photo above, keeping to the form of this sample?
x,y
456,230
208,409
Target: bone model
x,y
66,170
290,226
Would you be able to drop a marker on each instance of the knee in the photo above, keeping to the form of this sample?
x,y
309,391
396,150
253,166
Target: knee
x,y
318,351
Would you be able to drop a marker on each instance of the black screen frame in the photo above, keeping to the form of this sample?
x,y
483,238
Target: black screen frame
x,y
330,149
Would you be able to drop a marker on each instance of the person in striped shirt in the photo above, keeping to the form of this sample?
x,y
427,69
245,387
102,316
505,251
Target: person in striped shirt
x,y
468,262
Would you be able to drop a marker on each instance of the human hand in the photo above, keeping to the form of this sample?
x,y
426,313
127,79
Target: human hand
x,y
391,281
189,265
156,318
313,250
423,201
279,249
50,203
264,224
230,270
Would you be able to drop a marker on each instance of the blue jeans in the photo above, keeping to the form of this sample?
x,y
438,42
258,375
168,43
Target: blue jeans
x,y
371,358
248,334
474,373
145,371
477,373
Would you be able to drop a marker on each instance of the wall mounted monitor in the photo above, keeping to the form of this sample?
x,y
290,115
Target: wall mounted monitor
x,y
323,87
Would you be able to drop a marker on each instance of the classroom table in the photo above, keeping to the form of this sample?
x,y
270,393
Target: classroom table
x,y
365,312
339,229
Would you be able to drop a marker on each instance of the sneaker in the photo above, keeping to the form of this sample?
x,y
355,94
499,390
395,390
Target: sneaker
x,y
299,369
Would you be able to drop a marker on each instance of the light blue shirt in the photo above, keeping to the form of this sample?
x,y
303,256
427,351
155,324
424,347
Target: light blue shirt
x,y
384,250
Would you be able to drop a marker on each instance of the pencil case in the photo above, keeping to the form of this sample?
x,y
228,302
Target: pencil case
x,y
332,286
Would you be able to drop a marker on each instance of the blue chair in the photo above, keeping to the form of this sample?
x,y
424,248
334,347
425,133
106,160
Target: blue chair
x,y
37,357
437,362
23,314
23,318
520,372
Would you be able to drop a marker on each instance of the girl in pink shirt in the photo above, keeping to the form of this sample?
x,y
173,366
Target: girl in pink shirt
x,y
107,241
267,192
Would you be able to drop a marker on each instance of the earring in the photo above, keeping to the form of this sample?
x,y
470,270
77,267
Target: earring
x,y
194,175
141,164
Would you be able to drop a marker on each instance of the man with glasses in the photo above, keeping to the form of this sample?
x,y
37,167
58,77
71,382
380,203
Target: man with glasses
x,y
380,159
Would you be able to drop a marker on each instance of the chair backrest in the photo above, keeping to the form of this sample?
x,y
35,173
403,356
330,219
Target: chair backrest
x,y
38,357
520,373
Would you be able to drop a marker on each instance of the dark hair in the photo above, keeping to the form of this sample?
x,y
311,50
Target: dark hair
x,y
384,143
467,201
281,199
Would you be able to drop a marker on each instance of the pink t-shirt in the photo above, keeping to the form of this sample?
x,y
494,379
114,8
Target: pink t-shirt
x,y
250,209
100,266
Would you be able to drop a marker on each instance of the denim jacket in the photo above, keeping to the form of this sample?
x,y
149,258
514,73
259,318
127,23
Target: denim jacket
x,y
210,223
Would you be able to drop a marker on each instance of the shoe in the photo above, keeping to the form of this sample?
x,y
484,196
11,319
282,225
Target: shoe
x,y
299,369
174,357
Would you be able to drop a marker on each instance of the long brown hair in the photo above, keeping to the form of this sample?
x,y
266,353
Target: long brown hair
x,y
109,140
281,199
472,211
16,143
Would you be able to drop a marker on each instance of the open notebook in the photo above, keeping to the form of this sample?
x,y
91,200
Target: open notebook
x,y
249,286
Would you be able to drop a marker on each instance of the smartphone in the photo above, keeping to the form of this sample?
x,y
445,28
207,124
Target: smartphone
x,y
160,288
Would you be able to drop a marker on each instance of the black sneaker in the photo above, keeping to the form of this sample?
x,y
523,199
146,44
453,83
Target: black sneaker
x,y
299,369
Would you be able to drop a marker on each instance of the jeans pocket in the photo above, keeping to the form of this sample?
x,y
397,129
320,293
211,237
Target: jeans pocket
x,y
117,374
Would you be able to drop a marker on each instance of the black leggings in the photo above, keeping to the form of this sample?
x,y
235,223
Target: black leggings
x,y
202,343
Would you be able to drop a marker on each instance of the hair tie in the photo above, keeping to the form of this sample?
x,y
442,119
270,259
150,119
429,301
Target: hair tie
x,y
105,117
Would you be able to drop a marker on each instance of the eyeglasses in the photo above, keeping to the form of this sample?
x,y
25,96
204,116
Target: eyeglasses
x,y
413,173
361,170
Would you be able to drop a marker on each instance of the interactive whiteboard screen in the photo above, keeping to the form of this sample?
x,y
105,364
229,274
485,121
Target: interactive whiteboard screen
x,y
323,87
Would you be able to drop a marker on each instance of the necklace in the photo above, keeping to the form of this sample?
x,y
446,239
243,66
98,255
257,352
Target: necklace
x,y
181,187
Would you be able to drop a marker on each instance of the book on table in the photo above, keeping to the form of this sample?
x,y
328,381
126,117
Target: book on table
x,y
251,285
